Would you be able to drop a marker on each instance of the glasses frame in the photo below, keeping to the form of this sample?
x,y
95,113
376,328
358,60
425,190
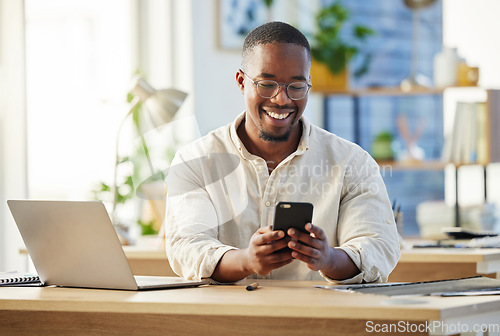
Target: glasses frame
x,y
287,85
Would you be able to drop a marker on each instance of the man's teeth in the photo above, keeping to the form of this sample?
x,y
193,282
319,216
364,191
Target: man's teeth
x,y
278,116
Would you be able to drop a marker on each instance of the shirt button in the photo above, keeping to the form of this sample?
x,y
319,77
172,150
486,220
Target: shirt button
x,y
268,203
259,168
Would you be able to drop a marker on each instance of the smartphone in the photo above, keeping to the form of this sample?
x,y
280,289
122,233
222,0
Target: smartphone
x,y
292,215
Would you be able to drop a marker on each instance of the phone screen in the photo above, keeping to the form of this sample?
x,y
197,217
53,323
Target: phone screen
x,y
292,215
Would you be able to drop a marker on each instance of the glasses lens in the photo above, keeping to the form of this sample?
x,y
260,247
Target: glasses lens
x,y
297,90
267,89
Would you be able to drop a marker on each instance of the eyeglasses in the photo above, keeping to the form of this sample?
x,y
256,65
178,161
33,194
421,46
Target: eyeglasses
x,y
269,89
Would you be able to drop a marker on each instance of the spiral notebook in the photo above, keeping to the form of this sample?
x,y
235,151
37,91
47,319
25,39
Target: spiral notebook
x,y
15,278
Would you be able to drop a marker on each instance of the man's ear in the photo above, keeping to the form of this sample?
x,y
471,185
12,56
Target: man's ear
x,y
240,81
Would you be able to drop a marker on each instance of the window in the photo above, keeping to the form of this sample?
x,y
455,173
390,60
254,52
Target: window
x,y
79,65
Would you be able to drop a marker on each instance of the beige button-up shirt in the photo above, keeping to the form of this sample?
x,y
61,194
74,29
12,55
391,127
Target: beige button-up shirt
x,y
218,195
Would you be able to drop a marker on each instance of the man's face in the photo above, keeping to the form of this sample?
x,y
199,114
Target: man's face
x,y
274,119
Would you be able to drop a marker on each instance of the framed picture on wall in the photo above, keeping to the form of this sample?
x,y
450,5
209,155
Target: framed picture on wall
x,y
236,19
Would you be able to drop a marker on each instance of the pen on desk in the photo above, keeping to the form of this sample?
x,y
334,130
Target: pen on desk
x,y
252,286
398,218
397,210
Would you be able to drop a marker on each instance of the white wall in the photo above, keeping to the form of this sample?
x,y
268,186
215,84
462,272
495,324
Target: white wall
x,y
472,26
13,128
217,100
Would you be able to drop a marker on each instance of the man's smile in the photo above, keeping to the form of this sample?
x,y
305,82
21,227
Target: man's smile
x,y
278,116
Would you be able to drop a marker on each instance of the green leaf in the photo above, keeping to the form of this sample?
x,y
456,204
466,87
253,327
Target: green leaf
x,y
105,187
130,182
363,68
136,116
362,32
384,136
328,46
130,97
124,159
268,3
147,228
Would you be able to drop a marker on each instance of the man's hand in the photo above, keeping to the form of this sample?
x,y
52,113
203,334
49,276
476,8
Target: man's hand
x,y
262,255
313,249
259,257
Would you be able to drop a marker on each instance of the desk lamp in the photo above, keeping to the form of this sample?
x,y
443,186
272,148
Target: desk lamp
x,y
160,107
415,79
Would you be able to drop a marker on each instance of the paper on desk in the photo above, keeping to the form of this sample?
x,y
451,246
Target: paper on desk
x,y
352,287
470,293
439,287
485,242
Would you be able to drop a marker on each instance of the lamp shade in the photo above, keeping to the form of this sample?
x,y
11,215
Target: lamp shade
x,y
160,105
417,4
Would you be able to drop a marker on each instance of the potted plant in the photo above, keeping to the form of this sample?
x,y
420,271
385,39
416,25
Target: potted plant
x,y
382,146
332,51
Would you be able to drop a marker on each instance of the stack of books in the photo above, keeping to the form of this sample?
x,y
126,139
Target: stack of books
x,y
475,133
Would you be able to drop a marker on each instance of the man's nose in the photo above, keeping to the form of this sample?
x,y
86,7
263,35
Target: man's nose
x,y
282,97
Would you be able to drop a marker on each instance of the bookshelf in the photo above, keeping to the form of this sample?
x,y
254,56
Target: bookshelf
x,y
356,94
488,98
472,133
362,110
447,98
471,115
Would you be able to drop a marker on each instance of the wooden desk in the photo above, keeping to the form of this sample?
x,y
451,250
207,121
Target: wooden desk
x,y
275,308
423,264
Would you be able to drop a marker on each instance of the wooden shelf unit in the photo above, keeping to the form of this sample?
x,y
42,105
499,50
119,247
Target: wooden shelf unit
x,y
413,165
492,101
382,91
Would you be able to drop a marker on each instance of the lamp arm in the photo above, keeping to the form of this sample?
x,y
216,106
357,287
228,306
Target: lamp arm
x,y
134,104
146,151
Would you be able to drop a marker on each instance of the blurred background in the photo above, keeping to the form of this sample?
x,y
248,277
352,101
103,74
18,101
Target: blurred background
x,y
66,69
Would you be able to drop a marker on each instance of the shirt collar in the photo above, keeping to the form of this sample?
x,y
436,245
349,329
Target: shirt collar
x,y
303,143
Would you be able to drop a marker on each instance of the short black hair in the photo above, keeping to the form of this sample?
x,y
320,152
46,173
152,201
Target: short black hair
x,y
271,33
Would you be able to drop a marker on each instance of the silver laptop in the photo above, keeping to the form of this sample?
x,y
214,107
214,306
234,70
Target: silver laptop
x,y
74,244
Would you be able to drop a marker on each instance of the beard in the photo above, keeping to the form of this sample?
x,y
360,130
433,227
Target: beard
x,y
270,137
275,138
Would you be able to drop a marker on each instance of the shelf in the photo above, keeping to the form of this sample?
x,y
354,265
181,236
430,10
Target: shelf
x,y
386,91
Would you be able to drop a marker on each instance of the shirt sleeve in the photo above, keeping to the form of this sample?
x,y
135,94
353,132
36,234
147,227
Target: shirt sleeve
x,y
191,223
366,228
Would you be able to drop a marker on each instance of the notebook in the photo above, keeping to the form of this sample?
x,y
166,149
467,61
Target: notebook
x,y
15,278
74,244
